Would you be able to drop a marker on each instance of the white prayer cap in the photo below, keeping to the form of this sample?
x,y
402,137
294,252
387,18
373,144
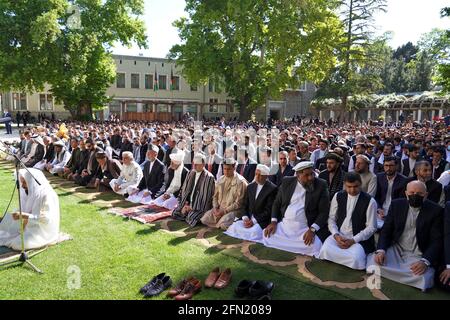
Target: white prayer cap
x,y
153,148
263,169
177,157
199,158
230,161
365,158
59,143
303,165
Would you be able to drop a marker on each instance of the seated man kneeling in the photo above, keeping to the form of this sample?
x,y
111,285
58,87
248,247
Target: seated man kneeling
x,y
411,240
130,176
302,206
228,198
352,223
257,207
173,180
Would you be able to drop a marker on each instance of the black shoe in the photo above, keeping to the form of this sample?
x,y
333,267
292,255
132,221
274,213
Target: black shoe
x,y
126,195
243,288
152,282
260,288
159,287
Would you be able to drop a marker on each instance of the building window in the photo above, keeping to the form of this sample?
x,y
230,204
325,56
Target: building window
x,y
194,88
303,86
211,86
45,102
147,107
135,80
212,106
19,101
217,87
230,106
120,81
162,108
162,82
131,107
176,83
148,81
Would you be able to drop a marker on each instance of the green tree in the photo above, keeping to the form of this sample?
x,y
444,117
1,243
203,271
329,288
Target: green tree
x,y
67,45
354,52
256,48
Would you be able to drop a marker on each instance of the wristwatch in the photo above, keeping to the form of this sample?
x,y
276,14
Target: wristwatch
x,y
312,229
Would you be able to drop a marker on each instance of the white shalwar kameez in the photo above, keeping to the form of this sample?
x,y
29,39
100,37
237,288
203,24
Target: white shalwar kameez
x,y
42,205
290,231
400,257
129,178
239,231
355,256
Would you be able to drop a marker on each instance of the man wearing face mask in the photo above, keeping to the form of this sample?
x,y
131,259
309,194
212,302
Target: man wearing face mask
x,y
299,212
410,242
423,171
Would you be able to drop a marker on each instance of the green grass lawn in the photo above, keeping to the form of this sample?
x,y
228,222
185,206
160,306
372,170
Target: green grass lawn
x,y
116,257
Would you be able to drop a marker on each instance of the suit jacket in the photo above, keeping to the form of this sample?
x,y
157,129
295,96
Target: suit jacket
x,y
74,161
429,230
215,166
337,184
84,159
406,168
153,181
278,177
38,156
317,203
447,234
115,142
440,169
398,188
249,170
50,154
143,152
112,171
261,207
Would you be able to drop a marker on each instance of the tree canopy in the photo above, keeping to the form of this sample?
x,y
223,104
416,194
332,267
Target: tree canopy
x,y
67,45
257,48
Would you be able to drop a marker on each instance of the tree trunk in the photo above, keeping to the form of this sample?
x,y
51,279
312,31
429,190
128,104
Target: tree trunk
x,y
343,109
84,110
243,108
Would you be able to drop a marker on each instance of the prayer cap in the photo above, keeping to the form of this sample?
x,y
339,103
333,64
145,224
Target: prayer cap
x,y
230,161
177,157
303,165
263,169
365,158
153,148
59,143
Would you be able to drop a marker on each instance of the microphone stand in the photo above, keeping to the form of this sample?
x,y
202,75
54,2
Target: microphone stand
x,y
24,258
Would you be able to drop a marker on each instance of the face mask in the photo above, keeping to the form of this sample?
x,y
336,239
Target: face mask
x,y
415,200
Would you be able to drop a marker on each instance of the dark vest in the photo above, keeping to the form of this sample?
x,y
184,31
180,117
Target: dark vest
x,y
358,217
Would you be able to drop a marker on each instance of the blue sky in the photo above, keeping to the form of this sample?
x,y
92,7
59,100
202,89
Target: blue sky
x,y
408,19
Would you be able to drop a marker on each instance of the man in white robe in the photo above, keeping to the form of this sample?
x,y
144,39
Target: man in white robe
x,y
300,211
62,156
258,202
40,212
173,180
352,223
411,240
130,176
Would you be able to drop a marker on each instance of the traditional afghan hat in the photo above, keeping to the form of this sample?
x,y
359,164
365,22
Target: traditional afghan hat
x,y
177,157
263,169
334,156
303,165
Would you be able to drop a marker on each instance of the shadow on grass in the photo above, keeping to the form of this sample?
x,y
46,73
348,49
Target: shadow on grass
x,y
180,240
149,230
